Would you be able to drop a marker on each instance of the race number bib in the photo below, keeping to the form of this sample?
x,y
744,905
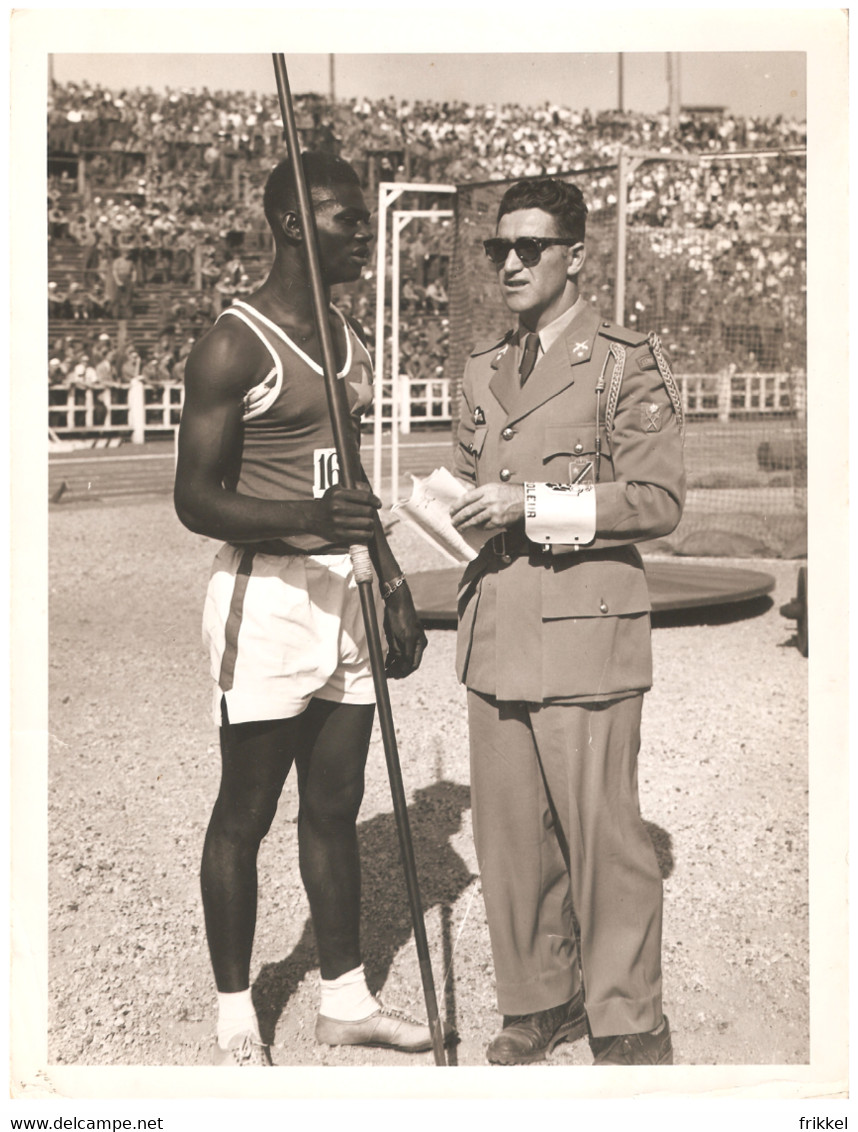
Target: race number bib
x,y
326,470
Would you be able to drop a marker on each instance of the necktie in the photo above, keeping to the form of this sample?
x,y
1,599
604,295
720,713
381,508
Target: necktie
x,y
528,357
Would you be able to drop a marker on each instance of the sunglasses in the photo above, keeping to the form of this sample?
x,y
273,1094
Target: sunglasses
x,y
529,249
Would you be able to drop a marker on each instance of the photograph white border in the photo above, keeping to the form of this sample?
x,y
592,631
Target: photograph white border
x,y
823,35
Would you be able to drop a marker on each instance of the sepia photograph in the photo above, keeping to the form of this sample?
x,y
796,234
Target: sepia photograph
x,y
525,352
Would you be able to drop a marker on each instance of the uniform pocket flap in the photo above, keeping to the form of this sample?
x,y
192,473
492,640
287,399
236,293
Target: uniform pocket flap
x,y
568,440
478,439
594,588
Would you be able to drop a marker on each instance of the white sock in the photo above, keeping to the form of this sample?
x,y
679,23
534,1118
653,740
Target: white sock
x,y
347,998
235,1015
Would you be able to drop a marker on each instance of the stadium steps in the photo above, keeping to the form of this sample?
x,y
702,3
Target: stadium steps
x,y
82,328
65,263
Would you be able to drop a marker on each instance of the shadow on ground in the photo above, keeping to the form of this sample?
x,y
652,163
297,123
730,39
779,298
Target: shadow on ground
x,y
386,927
435,817
662,843
726,614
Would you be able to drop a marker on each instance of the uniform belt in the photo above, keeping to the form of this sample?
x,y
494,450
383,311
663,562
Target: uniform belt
x,y
510,544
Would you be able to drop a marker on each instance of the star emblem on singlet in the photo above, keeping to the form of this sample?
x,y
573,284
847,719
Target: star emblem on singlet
x,y
363,390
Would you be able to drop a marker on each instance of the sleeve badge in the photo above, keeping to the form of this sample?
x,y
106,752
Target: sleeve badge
x,y
651,417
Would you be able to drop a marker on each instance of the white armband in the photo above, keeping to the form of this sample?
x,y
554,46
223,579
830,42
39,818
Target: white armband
x,y
560,512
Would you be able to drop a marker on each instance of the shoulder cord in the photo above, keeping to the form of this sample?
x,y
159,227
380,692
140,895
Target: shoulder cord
x,y
600,389
618,352
668,379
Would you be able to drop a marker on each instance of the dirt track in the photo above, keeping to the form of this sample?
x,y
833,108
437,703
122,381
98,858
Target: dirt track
x,y
134,768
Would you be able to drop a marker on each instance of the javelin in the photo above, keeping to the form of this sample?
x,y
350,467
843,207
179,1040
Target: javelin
x,y
361,562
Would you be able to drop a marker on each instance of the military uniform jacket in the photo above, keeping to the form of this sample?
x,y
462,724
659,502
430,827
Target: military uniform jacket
x,y
569,622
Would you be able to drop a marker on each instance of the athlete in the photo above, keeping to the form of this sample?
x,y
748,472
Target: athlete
x,y
257,468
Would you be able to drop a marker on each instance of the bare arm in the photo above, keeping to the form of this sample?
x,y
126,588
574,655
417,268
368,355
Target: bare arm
x,y
402,627
219,371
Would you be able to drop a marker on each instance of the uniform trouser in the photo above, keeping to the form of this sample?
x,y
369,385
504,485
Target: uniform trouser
x,y
533,765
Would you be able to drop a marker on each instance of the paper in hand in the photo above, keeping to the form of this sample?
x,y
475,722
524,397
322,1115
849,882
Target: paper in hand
x,y
428,510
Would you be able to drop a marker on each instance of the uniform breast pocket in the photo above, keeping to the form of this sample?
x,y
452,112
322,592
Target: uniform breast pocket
x,y
569,453
473,444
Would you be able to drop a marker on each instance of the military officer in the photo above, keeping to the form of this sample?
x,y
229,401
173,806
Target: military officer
x,y
571,435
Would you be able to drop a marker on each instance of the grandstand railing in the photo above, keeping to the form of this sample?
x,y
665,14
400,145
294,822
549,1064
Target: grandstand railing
x,y
729,395
74,409
424,401
139,409
135,409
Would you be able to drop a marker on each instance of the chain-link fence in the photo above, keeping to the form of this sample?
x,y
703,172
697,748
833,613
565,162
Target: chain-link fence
x,y
728,302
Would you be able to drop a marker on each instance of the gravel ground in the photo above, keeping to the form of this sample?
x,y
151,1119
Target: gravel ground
x,y
133,771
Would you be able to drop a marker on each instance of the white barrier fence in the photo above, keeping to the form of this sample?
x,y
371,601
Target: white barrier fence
x,y
138,409
730,395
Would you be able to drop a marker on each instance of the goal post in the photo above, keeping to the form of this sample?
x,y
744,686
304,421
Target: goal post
x,y
389,193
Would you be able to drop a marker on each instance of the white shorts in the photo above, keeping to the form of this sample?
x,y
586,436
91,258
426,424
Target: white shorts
x,y
282,630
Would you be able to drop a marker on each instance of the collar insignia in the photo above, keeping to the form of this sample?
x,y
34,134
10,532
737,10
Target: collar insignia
x,y
496,359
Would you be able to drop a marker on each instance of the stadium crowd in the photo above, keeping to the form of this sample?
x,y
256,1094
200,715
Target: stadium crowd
x,y
189,141
170,193
97,359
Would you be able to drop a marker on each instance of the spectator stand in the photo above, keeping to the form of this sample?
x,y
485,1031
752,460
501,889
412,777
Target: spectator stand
x,y
388,193
629,161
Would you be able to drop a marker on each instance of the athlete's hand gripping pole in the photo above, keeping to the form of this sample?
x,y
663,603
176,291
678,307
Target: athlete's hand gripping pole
x,y
361,562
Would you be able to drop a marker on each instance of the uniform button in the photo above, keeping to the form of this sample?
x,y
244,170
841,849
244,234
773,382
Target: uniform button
x,y
505,474
579,447
603,608
508,433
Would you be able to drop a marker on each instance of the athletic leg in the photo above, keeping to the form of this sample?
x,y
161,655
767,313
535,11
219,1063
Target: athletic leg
x,y
330,767
256,758
330,784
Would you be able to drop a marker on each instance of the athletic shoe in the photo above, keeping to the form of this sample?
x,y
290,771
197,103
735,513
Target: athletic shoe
x,y
243,1049
385,1027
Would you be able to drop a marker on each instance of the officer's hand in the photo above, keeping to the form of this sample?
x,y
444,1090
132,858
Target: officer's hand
x,y
494,507
405,637
346,515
